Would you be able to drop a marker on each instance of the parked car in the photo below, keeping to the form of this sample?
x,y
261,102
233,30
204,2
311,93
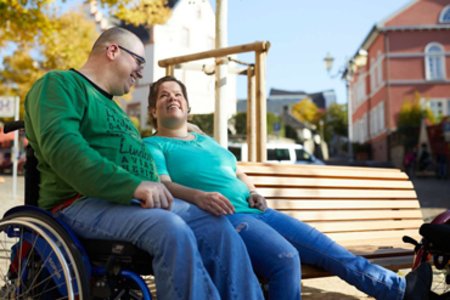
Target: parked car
x,y
276,152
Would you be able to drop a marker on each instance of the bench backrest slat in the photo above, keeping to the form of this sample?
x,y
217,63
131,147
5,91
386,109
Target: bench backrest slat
x,y
297,181
327,193
334,204
359,207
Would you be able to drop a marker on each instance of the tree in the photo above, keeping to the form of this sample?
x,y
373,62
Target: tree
x,y
335,121
22,21
306,111
240,122
66,43
140,12
44,39
409,119
412,112
204,121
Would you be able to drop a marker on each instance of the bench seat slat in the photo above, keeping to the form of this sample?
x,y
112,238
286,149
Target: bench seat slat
x,y
330,227
354,238
382,250
393,263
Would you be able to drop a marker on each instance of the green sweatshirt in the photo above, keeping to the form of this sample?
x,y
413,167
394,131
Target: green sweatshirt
x,y
84,142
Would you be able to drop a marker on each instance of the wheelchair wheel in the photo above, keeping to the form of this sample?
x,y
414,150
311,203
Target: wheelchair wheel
x,y
38,259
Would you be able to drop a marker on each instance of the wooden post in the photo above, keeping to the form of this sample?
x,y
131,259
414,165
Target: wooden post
x,y
256,46
221,75
251,114
169,70
257,111
261,106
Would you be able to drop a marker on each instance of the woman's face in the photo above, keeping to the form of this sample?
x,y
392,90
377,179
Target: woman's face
x,y
171,109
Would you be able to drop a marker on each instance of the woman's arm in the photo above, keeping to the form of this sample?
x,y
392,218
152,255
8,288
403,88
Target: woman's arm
x,y
213,202
255,200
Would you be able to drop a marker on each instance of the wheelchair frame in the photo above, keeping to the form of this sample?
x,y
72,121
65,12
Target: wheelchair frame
x,y
42,258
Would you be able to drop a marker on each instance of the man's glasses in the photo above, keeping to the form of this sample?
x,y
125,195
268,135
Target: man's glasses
x,y
139,59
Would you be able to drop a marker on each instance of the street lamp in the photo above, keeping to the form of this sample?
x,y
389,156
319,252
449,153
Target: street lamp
x,y
346,73
328,60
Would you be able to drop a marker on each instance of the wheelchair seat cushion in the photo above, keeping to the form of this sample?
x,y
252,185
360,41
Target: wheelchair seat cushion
x,y
123,253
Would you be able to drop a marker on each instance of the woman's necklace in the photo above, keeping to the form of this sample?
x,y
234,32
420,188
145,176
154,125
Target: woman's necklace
x,y
184,137
178,137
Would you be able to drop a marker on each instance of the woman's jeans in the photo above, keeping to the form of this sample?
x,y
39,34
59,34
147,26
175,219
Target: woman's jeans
x,y
195,255
277,242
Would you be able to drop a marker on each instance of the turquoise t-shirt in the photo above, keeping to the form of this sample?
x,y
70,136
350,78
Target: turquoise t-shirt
x,y
200,164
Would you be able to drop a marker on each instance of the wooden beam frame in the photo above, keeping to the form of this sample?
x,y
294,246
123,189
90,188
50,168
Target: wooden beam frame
x,y
256,94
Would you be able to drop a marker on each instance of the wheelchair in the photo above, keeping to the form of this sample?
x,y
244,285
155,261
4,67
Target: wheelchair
x,y
42,258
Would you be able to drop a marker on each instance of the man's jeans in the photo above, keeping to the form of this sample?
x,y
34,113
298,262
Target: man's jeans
x,y
195,255
276,242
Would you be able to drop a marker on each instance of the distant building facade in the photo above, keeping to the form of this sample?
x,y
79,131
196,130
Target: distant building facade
x,y
278,100
190,29
408,55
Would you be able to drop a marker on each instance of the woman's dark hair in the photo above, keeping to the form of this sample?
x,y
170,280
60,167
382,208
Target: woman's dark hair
x,y
153,94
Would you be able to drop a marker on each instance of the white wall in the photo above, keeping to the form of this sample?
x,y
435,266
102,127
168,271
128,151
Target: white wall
x,y
190,29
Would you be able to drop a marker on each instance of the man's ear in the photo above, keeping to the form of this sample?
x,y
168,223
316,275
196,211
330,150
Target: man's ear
x,y
112,52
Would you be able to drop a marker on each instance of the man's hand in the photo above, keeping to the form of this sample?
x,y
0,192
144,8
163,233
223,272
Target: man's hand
x,y
153,195
194,128
257,201
214,203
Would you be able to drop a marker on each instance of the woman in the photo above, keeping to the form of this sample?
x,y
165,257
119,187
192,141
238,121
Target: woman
x,y
195,168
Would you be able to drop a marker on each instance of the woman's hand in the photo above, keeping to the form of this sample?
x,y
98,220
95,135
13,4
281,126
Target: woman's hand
x,y
194,128
258,201
214,203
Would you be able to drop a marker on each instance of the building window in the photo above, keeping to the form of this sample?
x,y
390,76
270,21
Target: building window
x,y
445,15
379,70
373,84
434,62
376,73
360,130
439,107
377,125
185,37
359,90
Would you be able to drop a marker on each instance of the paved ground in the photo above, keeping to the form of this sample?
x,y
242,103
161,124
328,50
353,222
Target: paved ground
x,y
434,197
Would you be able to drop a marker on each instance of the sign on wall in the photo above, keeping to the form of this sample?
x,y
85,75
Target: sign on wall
x,y
7,106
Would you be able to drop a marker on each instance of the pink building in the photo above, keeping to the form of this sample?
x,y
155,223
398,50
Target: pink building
x,y
408,56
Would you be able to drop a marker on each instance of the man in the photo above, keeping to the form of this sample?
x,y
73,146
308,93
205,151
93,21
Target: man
x,y
93,163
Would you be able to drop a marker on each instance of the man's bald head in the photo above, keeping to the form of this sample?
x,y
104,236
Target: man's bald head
x,y
115,35
116,61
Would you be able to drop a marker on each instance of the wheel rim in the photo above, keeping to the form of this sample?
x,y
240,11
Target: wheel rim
x,y
27,276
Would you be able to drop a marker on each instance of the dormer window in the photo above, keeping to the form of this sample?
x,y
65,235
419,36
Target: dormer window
x,y
434,62
445,15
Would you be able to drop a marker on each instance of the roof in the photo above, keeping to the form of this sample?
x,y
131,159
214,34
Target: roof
x,y
278,92
383,22
141,31
387,24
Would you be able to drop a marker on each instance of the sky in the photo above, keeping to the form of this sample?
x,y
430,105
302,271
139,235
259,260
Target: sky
x,y
301,34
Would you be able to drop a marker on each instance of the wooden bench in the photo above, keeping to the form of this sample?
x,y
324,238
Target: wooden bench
x,y
367,210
